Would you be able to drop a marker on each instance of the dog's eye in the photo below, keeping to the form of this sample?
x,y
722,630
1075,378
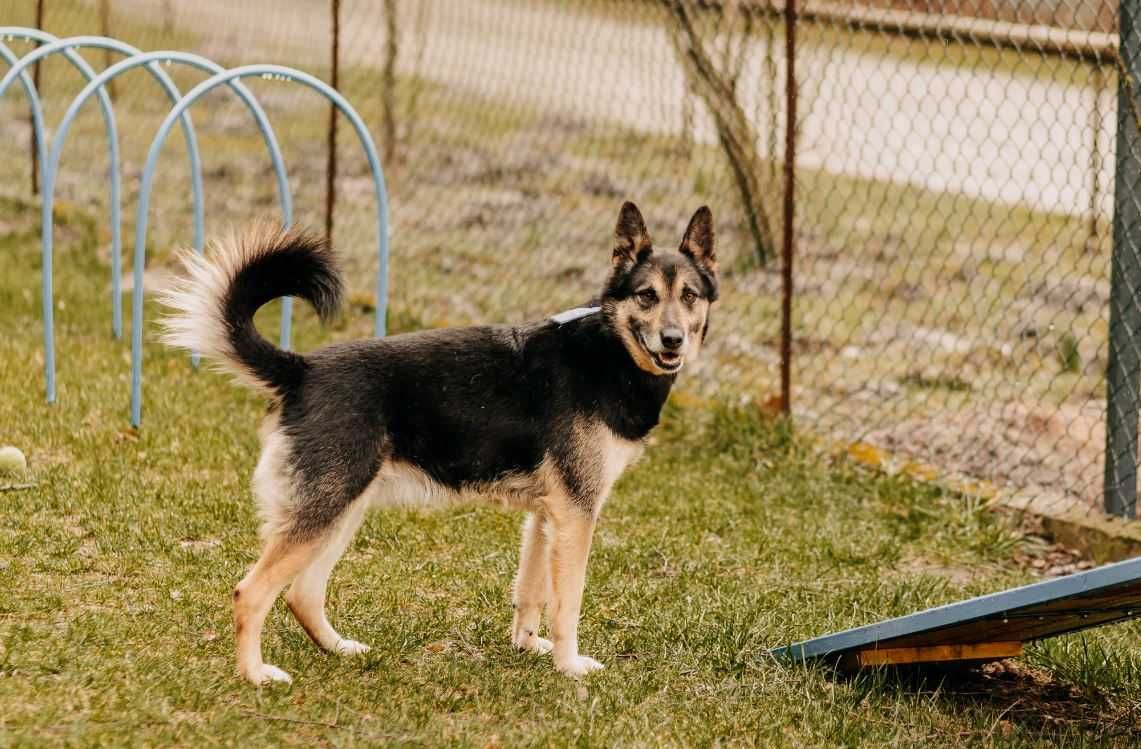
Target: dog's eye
x,y
647,297
689,296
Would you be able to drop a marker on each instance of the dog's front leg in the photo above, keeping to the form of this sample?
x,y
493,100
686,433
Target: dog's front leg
x,y
532,586
571,529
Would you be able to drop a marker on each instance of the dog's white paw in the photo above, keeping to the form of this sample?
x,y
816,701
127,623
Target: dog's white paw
x,y
533,644
351,647
578,666
267,674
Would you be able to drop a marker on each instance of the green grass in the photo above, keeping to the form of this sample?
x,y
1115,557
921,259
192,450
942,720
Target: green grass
x,y
735,534
1069,355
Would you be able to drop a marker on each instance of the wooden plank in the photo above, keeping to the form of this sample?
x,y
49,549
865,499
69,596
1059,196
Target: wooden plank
x,y
1012,628
1034,622
976,652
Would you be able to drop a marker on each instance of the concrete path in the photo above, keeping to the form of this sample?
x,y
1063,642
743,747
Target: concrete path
x,y
987,134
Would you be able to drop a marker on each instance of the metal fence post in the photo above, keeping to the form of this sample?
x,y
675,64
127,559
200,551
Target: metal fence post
x,y
1122,376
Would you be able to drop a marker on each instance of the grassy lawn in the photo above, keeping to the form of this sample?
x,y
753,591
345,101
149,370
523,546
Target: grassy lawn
x,y
734,535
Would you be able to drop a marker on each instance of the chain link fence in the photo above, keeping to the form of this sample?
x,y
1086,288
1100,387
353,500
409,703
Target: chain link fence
x,y
954,277
955,193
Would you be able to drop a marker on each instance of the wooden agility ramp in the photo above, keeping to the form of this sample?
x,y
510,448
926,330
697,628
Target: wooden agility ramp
x,y
986,628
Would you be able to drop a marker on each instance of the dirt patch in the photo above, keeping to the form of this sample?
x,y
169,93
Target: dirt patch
x,y
1034,699
1059,449
957,575
1046,559
1027,699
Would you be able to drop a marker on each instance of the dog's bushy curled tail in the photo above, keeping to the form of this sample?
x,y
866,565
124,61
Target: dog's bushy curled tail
x,y
212,306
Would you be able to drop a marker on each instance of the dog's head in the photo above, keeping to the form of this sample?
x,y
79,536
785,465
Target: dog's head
x,y
658,302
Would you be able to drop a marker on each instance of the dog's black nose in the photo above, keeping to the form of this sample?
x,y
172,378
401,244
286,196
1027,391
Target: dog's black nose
x,y
673,338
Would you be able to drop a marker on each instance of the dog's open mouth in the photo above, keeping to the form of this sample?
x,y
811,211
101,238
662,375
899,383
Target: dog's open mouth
x,y
670,361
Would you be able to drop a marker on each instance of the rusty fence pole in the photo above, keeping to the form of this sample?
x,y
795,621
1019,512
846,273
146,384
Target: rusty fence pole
x,y
1093,242
31,125
789,208
331,155
388,81
105,30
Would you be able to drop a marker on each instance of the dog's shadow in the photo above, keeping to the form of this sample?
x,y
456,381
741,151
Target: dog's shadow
x,y
1022,698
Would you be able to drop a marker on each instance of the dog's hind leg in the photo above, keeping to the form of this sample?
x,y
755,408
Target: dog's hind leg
x,y
281,559
306,596
532,586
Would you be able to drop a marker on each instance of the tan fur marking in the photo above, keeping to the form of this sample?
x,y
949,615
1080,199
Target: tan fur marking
x,y
272,480
402,484
571,534
692,318
532,588
280,561
306,596
620,314
605,455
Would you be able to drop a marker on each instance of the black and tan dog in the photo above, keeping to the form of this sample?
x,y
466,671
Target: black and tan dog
x,y
543,417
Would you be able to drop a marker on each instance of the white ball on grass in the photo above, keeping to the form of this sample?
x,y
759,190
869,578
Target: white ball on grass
x,y
12,461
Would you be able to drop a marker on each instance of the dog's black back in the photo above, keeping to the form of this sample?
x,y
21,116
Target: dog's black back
x,y
467,406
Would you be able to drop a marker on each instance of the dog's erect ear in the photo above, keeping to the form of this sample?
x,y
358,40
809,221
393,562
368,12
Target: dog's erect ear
x,y
631,240
697,244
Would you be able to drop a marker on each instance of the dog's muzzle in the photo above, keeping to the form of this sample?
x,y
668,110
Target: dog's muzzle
x,y
668,355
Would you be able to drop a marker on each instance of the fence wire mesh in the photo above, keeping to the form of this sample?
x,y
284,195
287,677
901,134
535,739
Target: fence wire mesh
x,y
955,190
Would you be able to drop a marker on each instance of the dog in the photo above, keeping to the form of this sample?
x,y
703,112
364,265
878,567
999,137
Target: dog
x,y
543,417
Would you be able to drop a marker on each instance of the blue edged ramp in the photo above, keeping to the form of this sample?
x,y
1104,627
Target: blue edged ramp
x,y
985,628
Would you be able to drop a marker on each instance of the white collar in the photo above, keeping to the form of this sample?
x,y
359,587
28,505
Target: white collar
x,y
573,314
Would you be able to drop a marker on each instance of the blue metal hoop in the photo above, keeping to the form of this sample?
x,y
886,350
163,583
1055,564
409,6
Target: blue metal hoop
x,y
48,301
149,59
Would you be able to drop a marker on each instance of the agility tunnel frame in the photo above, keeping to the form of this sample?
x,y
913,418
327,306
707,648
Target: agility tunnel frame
x,y
49,162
